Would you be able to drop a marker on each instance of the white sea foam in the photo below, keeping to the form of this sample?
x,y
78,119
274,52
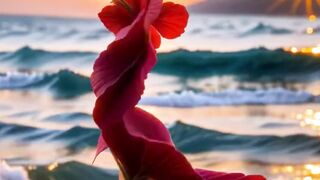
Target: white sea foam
x,y
12,173
12,80
230,97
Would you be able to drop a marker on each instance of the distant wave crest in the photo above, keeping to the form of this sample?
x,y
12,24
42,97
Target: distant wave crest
x,y
28,58
229,97
262,28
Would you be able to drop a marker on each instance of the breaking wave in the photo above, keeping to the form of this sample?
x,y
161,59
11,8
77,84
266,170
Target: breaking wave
x,y
188,138
251,65
229,97
63,84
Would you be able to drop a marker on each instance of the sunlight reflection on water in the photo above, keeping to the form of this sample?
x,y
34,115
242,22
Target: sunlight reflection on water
x,y
297,172
310,119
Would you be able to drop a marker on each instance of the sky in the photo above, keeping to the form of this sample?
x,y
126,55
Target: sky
x,y
66,8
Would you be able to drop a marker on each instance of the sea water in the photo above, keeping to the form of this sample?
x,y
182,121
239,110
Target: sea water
x,y
231,97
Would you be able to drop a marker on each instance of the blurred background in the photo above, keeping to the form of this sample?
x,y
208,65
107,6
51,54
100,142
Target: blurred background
x,y
239,91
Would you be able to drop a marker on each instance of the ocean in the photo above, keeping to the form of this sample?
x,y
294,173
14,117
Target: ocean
x,y
232,96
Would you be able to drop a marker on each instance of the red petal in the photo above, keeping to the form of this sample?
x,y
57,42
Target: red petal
x,y
115,17
172,20
212,175
209,174
140,123
113,63
254,177
153,11
155,37
144,147
101,146
118,82
140,143
138,140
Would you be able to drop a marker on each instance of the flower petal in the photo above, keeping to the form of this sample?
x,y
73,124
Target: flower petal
x,y
142,124
153,149
155,37
140,151
209,174
115,17
254,177
112,64
101,146
212,175
153,11
170,163
140,143
118,82
172,20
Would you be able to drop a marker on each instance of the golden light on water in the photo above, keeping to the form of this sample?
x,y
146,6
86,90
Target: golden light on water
x,y
312,17
311,8
310,119
310,30
52,166
31,167
316,50
304,50
294,50
298,172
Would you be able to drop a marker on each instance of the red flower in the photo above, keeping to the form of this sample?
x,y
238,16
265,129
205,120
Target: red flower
x,y
140,143
170,22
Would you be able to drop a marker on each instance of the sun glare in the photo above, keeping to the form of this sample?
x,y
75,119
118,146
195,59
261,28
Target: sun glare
x,y
310,119
304,50
296,4
299,172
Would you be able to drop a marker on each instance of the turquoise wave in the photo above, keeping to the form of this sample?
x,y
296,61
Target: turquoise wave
x,y
251,65
188,138
62,84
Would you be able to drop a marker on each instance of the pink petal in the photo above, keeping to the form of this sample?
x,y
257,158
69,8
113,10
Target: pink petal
x,y
101,146
153,11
